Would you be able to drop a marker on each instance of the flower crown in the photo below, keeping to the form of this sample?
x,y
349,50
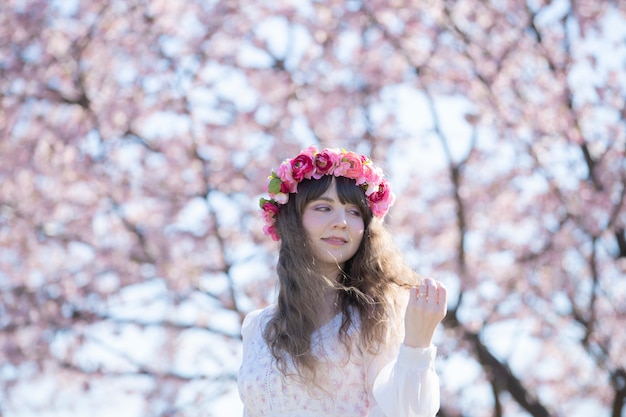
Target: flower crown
x,y
313,164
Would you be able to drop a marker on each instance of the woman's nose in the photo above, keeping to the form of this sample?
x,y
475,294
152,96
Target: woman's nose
x,y
340,219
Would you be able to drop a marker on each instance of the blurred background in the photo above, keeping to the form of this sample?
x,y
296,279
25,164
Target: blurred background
x,y
136,137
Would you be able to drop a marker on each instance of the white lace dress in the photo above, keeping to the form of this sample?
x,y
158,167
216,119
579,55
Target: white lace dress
x,y
399,382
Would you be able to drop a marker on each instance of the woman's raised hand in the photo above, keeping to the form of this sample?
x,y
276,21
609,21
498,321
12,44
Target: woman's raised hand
x,y
428,304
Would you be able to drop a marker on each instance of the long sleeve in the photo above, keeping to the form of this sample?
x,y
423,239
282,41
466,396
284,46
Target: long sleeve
x,y
406,386
402,380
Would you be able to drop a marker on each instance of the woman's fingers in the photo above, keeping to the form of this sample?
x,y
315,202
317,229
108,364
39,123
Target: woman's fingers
x,y
432,292
427,307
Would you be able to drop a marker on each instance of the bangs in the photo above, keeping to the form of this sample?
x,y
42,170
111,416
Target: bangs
x,y
347,191
350,193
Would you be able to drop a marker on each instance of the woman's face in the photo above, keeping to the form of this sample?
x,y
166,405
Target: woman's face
x,y
334,228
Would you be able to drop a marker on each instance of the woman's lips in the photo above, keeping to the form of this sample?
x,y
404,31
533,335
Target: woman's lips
x,y
335,240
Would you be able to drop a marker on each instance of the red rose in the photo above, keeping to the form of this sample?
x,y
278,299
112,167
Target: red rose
x,y
324,164
381,200
302,167
381,194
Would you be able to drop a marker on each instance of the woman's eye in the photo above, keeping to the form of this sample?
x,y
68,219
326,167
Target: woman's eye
x,y
355,212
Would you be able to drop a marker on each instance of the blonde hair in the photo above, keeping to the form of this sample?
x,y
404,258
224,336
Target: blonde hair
x,y
367,286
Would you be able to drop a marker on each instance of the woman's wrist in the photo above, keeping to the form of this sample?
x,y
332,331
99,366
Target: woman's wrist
x,y
417,341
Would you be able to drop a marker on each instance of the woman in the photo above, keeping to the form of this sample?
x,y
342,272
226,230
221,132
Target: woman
x,y
351,332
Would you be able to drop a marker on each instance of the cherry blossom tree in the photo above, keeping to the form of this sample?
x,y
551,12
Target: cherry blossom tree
x,y
137,136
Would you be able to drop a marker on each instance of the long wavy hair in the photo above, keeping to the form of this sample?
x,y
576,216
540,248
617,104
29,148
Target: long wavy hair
x,y
367,286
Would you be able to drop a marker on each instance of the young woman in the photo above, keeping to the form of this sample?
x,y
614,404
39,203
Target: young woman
x,y
351,332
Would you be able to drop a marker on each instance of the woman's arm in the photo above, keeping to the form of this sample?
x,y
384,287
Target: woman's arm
x,y
406,385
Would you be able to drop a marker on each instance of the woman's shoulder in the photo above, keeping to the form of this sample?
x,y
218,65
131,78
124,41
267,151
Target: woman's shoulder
x,y
254,318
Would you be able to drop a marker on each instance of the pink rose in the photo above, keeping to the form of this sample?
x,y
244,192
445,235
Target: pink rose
x,y
289,184
271,231
370,175
350,166
302,167
310,152
269,212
